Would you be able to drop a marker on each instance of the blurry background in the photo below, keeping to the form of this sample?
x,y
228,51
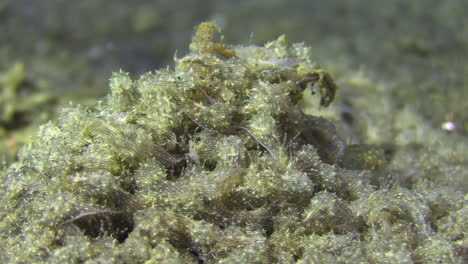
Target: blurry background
x,y
385,55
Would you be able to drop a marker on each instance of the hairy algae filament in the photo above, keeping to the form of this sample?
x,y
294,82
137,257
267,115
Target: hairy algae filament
x,y
211,162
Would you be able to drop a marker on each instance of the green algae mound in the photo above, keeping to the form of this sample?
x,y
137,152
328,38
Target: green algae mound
x,y
215,162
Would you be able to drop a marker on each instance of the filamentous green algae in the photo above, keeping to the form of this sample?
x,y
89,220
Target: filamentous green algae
x,y
215,161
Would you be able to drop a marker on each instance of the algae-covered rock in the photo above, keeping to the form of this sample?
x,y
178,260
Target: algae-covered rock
x,y
214,161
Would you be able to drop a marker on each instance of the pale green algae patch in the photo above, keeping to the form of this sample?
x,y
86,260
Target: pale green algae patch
x,y
214,161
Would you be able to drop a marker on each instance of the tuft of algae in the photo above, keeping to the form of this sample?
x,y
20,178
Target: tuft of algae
x,y
215,161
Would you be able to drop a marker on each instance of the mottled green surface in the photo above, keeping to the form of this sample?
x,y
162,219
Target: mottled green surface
x,y
397,193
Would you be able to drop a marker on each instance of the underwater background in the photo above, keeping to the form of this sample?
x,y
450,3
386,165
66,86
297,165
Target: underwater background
x,y
401,68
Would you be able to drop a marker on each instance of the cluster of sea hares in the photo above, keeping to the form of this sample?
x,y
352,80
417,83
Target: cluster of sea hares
x,y
214,162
